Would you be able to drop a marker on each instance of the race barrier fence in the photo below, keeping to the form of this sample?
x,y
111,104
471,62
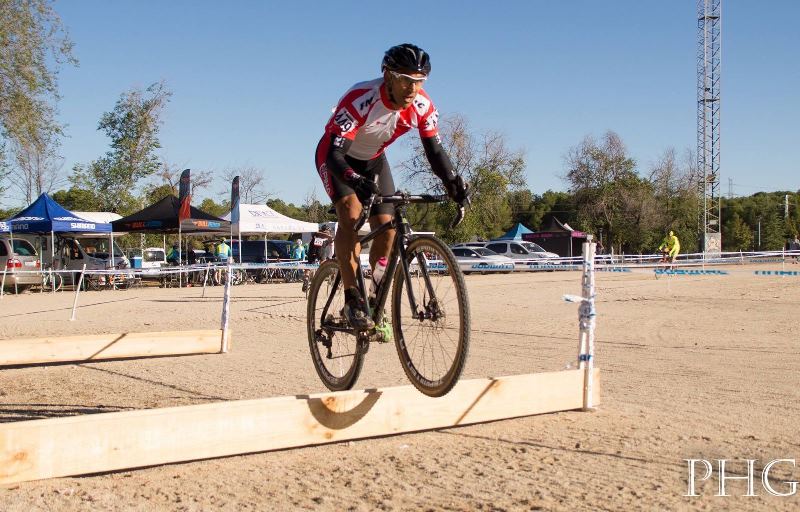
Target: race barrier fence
x,y
55,447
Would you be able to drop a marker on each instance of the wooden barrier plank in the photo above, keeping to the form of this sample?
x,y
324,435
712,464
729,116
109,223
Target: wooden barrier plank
x,y
32,450
93,347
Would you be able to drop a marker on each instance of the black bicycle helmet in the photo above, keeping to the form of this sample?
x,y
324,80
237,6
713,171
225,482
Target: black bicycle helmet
x,y
406,58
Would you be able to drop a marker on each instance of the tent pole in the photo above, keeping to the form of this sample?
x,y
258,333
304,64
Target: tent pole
x,y
11,236
180,264
52,258
16,291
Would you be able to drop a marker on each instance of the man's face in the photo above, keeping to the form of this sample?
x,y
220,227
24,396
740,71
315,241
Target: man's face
x,y
403,87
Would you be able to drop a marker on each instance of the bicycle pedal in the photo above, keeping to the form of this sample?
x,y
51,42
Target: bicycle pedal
x,y
383,331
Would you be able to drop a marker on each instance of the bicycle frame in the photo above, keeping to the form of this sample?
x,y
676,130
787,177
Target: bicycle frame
x,y
397,254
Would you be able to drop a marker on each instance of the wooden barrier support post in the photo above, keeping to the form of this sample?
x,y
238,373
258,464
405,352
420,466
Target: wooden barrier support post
x,y
587,315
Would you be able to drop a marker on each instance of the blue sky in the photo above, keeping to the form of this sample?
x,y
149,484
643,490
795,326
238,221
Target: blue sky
x,y
254,81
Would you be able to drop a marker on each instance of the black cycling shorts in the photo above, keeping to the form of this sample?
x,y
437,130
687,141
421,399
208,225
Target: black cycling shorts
x,y
379,166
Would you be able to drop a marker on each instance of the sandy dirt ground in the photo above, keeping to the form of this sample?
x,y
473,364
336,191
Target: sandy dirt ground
x,y
692,367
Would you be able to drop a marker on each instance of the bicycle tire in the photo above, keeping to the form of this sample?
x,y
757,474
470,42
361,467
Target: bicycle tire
x,y
406,342
349,358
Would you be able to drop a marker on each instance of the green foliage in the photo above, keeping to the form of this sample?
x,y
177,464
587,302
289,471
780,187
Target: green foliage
x,y
76,199
736,235
159,192
133,129
33,45
210,206
491,170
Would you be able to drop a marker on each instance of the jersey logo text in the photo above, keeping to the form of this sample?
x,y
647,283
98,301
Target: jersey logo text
x,y
344,120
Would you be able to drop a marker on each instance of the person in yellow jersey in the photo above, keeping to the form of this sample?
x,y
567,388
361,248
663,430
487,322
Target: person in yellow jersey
x,y
223,251
670,247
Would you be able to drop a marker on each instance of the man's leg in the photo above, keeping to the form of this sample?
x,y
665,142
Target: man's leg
x,y
382,244
348,211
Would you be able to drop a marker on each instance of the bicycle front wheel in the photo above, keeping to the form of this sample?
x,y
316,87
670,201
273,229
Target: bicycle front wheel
x,y
337,356
432,339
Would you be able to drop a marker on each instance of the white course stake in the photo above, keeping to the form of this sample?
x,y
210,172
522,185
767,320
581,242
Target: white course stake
x,y
77,291
226,305
205,279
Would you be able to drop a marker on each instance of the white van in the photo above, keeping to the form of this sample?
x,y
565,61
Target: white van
x,y
73,251
519,250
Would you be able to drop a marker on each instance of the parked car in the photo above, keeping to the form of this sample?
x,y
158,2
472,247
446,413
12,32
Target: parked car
x,y
16,257
479,259
254,250
469,244
534,247
521,252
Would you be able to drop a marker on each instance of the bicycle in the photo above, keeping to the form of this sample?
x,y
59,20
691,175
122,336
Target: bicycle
x,y
429,301
51,281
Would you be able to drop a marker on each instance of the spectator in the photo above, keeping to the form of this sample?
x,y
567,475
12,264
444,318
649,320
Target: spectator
x,y
223,251
174,255
298,250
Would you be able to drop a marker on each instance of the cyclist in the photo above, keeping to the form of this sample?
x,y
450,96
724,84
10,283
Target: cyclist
x,y
318,251
370,116
670,247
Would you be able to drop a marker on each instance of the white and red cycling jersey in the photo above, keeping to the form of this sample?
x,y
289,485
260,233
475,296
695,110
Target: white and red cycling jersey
x,y
365,117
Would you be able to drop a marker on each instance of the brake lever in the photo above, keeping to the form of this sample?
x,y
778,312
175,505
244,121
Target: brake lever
x,y
365,210
462,211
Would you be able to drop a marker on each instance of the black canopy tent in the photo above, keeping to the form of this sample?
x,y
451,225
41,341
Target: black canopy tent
x,y
559,238
162,217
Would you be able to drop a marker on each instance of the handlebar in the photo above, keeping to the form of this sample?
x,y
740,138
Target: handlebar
x,y
401,197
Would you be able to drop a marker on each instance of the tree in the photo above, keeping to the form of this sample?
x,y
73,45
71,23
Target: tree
x,y
210,206
168,178
33,46
4,168
76,199
314,209
133,129
737,235
37,169
489,167
252,185
675,188
598,175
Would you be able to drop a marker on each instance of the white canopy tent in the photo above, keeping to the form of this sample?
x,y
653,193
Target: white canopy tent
x,y
260,219
107,217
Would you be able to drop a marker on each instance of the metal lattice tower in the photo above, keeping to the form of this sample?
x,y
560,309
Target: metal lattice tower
x,y
709,24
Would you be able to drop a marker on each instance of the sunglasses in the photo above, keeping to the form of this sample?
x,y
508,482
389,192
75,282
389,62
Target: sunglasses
x,y
407,79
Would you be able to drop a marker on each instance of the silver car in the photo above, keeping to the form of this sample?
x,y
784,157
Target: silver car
x,y
17,258
523,254
478,259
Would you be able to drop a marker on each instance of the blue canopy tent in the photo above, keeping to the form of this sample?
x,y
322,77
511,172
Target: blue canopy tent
x,y
47,216
515,233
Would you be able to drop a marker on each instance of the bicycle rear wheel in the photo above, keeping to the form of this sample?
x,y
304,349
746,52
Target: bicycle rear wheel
x,y
433,341
336,353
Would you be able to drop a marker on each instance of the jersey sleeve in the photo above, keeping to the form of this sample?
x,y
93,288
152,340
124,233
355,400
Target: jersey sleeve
x,y
346,118
429,116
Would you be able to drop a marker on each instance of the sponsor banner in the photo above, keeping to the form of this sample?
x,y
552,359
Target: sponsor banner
x,y
691,272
